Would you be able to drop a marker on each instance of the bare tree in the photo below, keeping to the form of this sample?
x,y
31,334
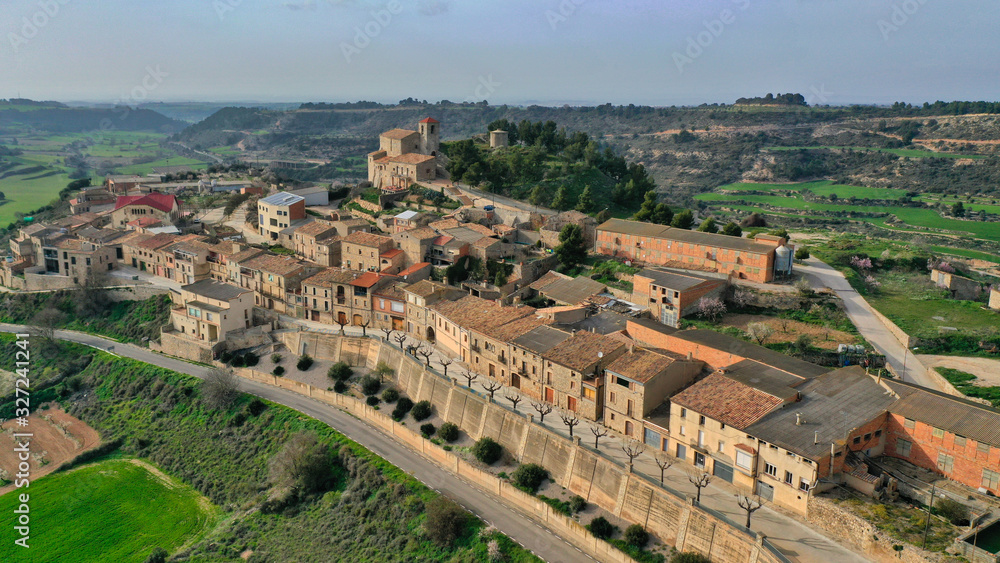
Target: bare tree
x,y
342,322
302,465
570,419
514,398
388,333
469,378
633,449
700,480
400,339
491,387
221,388
93,295
750,504
44,324
599,432
425,352
783,322
542,408
664,463
364,326
759,332
445,362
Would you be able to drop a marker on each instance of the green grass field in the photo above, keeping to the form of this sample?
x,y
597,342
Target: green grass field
x,y
29,191
115,510
908,153
147,168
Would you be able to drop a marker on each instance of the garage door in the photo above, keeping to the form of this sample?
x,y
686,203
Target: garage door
x,y
723,471
765,491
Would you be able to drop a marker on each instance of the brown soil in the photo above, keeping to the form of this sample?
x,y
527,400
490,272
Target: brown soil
x,y
795,328
58,438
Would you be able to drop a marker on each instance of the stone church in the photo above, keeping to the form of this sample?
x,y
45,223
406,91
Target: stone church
x,y
405,156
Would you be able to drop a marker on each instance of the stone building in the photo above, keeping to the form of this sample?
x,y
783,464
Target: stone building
x,y
363,251
420,317
554,225
995,298
416,243
572,378
161,207
389,306
671,296
92,200
272,278
207,310
318,242
638,382
659,245
405,156
122,184
498,139
279,211
960,287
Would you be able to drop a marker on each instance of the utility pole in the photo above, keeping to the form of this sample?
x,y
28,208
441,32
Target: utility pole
x,y
927,526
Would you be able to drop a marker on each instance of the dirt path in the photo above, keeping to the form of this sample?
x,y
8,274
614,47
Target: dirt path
x,y
986,369
58,438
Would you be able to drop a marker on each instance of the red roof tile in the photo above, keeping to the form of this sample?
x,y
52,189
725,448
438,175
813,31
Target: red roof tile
x,y
727,400
162,202
429,120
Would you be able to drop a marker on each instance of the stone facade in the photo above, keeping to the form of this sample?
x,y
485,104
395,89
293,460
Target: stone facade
x,y
960,287
405,156
995,298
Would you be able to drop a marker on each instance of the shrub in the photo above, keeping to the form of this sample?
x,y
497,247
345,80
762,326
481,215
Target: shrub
x,y
956,512
276,358
237,362
636,535
487,451
445,521
403,406
577,503
390,395
373,401
802,253
251,359
159,555
340,371
601,528
340,387
305,362
448,432
530,476
421,410
370,385
427,430
279,371
226,357
689,557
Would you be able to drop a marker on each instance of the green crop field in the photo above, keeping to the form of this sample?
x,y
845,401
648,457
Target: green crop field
x,y
964,252
908,153
31,190
147,168
115,510
911,301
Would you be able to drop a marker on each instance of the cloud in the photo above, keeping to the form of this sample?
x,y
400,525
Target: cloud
x,y
433,7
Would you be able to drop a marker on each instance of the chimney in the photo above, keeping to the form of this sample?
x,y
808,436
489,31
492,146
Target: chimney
x,y
798,419
690,356
816,440
631,347
833,452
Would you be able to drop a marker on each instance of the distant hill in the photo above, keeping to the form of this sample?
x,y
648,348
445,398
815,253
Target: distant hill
x,y
15,115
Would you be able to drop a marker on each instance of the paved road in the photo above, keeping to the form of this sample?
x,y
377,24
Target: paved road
x,y
821,275
523,530
481,198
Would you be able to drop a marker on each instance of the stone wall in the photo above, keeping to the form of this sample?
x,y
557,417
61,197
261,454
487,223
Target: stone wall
x,y
136,292
571,464
898,333
176,344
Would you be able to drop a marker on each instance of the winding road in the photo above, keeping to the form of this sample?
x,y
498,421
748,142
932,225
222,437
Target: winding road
x,y
515,525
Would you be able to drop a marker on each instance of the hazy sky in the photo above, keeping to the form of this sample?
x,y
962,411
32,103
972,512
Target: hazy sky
x,y
507,51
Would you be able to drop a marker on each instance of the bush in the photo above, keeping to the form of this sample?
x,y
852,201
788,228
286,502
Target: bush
x,y
601,528
390,395
448,432
370,385
636,535
577,503
445,521
421,410
487,451
237,362
305,362
278,370
427,430
802,253
403,406
529,476
955,512
226,357
276,358
689,557
340,387
340,371
251,359
159,555
372,401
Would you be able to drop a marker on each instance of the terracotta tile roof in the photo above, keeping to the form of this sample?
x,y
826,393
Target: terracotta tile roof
x,y
503,229
366,279
367,239
479,314
442,240
411,158
726,400
641,229
392,290
245,255
485,231
545,280
580,350
398,133
314,229
391,253
429,120
158,241
640,365
424,288
146,221
330,276
515,329
373,153
420,233
486,242
161,202
414,269
449,223
274,264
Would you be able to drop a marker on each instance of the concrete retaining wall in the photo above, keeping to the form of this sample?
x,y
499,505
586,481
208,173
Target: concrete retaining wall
x,y
576,467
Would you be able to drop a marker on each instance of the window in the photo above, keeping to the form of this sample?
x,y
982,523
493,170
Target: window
x,y
868,437
903,447
209,317
683,431
701,438
983,448
909,423
589,393
937,433
770,470
722,446
622,382
684,413
701,420
194,312
991,479
788,477
803,485
945,463
722,426
743,459
857,439
611,397
878,433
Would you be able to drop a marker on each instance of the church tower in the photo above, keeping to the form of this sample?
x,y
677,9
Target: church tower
x,y
430,136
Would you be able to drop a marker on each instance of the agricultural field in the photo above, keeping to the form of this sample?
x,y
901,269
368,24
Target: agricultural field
x,y
907,153
114,510
28,183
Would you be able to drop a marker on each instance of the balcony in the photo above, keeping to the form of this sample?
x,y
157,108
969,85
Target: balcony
x,y
475,348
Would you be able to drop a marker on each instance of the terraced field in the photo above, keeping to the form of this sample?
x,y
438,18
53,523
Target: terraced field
x,y
908,153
